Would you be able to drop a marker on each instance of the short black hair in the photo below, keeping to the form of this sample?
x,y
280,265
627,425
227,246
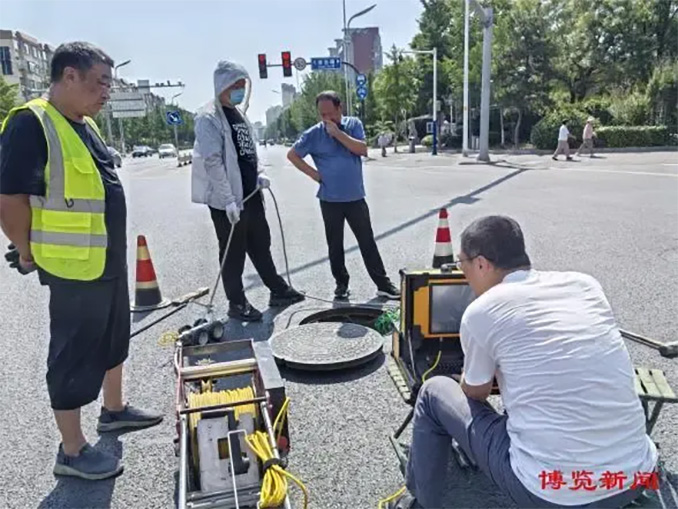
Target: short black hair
x,y
565,121
328,95
497,238
80,55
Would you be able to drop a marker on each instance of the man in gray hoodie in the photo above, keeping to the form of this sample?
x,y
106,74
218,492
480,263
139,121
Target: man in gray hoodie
x,y
226,178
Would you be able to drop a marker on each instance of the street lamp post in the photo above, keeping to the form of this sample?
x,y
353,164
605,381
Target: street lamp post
x,y
120,126
464,146
176,134
434,52
487,19
348,55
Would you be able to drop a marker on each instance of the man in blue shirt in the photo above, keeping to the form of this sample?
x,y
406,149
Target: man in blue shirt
x,y
336,145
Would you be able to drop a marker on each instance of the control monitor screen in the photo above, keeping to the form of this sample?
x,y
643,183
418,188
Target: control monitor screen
x,y
448,303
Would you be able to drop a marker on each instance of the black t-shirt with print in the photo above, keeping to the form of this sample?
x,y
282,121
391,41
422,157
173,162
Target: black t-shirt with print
x,y
247,150
23,157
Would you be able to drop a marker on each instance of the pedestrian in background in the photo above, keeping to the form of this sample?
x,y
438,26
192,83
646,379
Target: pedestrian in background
x,y
336,145
563,142
383,141
225,172
587,137
70,224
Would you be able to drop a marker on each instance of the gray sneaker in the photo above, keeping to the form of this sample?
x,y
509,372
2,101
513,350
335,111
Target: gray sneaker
x,y
90,464
127,418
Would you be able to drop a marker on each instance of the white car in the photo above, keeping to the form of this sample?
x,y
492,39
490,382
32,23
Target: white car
x,y
167,150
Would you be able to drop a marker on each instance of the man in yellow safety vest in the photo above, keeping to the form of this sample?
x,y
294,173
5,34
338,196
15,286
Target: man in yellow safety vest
x,y
63,208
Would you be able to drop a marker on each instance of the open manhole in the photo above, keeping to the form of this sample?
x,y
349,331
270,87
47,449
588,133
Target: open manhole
x,y
333,339
372,317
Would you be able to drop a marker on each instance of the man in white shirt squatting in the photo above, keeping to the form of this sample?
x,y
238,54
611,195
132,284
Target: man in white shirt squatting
x,y
573,419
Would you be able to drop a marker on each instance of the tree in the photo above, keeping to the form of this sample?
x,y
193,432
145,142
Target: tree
x,y
9,96
522,55
602,42
395,86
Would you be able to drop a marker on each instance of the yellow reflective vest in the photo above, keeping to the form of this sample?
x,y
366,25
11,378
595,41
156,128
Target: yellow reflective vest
x,y
68,232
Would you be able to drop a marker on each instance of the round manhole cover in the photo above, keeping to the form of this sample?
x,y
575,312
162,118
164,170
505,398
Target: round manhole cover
x,y
326,346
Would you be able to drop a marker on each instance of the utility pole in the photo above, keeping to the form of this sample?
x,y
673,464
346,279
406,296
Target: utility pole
x,y
347,99
487,19
122,130
176,133
109,132
434,151
464,150
434,52
348,55
484,154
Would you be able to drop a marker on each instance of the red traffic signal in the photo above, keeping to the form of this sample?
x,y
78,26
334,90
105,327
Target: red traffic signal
x,y
287,64
263,67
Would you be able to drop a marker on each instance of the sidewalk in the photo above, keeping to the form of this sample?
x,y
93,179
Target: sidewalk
x,y
375,153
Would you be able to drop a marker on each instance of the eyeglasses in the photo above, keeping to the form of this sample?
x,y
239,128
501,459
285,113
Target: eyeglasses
x,y
459,262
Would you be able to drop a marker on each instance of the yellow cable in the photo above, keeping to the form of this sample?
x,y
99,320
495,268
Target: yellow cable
x,y
209,398
282,414
168,338
392,497
435,364
274,486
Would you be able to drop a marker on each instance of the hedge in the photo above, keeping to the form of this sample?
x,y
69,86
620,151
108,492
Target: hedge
x,y
634,136
544,134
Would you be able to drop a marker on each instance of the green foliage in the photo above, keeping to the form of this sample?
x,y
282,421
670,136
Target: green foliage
x,y
394,86
662,93
599,108
634,136
9,95
544,134
427,140
630,109
302,113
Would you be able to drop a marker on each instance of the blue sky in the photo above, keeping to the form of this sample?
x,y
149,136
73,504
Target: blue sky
x,y
183,39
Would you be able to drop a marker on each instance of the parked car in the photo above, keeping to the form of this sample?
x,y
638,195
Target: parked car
x,y
167,150
142,151
117,158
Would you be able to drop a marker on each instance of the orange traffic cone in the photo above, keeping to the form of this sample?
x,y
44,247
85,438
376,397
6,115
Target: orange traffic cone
x,y
443,251
147,296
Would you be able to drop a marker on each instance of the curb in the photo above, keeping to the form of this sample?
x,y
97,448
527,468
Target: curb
x,y
522,152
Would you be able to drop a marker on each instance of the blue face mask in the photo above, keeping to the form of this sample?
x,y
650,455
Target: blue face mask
x,y
237,95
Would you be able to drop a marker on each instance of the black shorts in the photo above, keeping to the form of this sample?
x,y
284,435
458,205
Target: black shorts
x,y
90,329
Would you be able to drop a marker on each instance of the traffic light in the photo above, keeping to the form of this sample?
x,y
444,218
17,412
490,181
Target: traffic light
x,y
263,69
287,64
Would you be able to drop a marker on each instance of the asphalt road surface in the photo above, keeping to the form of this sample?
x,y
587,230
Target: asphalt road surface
x,y
615,217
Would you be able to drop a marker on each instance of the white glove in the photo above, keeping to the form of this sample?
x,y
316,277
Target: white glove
x,y
233,212
263,182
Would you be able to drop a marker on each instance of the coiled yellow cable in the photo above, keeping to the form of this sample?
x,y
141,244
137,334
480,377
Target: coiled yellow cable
x,y
274,485
209,398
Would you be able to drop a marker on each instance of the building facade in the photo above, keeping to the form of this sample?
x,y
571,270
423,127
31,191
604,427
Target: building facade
x,y
364,49
289,94
272,114
24,61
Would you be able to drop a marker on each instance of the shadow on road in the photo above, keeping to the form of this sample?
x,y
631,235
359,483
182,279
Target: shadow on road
x,y
467,199
78,493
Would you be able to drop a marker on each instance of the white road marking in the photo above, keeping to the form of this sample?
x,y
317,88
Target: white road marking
x,y
621,172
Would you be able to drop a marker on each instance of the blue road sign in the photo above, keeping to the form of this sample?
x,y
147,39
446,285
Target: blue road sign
x,y
361,80
362,93
325,63
173,118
